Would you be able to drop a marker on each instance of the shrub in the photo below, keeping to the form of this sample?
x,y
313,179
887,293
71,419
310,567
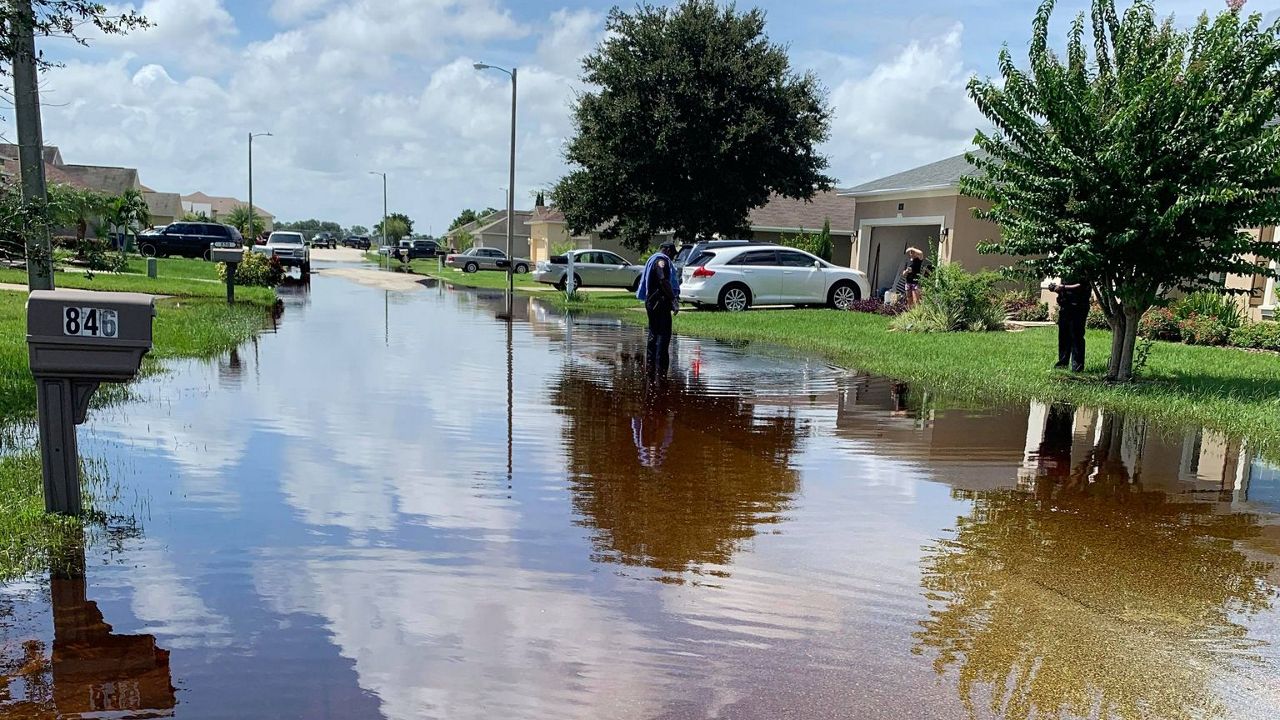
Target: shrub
x,y
954,300
1257,336
98,255
1160,324
1210,305
1203,330
256,271
1019,305
871,305
1097,319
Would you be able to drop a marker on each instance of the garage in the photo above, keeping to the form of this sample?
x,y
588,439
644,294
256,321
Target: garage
x,y
887,250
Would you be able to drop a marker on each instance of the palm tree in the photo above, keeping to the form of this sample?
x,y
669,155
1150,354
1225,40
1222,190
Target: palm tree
x,y
246,221
129,212
77,206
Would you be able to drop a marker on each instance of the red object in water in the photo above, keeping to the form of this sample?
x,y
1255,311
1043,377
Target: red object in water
x,y
702,272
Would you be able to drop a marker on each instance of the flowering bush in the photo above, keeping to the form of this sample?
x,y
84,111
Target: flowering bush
x,y
1097,319
871,305
256,270
1160,324
1203,330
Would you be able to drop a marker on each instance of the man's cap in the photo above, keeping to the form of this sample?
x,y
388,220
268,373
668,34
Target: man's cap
x,y
667,244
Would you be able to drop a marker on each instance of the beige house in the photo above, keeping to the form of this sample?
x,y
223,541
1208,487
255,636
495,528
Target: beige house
x,y
217,208
923,208
491,231
1260,302
781,217
548,230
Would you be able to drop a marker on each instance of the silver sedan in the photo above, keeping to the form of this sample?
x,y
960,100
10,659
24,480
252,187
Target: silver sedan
x,y
592,268
486,259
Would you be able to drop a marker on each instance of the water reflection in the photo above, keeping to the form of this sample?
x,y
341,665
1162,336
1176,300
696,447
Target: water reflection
x,y
669,476
92,671
1087,593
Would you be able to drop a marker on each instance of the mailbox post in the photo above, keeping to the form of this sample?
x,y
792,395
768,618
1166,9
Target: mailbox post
x,y
78,340
232,254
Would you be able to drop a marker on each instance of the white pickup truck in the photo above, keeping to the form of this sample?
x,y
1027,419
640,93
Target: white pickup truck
x,y
290,248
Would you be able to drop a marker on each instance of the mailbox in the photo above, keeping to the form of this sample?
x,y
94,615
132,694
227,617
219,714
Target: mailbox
x,y
77,340
227,254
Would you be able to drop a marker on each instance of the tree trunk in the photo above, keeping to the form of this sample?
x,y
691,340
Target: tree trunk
x,y
1119,326
1130,341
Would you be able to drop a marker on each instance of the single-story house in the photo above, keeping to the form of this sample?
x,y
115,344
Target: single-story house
x,y
772,222
923,208
217,208
491,231
1260,302
165,207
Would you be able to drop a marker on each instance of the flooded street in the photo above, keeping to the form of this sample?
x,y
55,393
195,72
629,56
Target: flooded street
x,y
397,505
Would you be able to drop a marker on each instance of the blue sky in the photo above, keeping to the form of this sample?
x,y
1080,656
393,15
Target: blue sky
x,y
349,86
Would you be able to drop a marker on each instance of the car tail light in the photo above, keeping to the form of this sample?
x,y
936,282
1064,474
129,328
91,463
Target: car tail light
x,y
702,272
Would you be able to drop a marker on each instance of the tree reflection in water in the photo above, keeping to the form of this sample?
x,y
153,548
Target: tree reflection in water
x,y
1091,597
667,476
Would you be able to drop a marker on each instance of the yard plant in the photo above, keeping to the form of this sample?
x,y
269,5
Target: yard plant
x,y
1135,159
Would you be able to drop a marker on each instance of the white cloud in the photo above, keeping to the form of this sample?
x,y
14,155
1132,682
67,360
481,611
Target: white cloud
x,y
292,11
911,109
194,34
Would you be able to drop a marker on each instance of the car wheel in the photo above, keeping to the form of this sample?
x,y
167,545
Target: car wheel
x,y
206,255
521,269
147,250
470,267
735,298
843,295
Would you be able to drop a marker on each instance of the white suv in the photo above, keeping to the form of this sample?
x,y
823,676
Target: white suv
x,y
735,278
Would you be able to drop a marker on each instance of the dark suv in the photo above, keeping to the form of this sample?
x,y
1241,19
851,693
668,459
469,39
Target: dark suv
x,y
421,248
188,239
360,242
324,240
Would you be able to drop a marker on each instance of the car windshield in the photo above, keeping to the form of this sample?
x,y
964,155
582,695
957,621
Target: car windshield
x,y
285,239
701,259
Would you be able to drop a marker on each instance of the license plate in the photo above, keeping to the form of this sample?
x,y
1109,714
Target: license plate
x,y
90,322
224,244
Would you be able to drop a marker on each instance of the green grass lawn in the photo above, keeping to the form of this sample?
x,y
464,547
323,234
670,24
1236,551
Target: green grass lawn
x,y
166,284
184,327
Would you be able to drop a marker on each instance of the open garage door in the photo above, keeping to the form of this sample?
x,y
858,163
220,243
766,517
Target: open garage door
x,y
888,256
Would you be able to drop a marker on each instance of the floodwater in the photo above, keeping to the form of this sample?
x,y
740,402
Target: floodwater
x,y
397,505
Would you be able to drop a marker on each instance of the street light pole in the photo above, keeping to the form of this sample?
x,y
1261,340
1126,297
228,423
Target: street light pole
x,y
511,185
252,239
384,214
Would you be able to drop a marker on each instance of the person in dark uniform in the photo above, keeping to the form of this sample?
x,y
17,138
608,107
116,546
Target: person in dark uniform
x,y
660,304
1073,311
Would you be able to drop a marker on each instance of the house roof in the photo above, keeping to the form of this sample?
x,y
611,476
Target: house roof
x,y
163,204
222,205
789,214
487,222
110,180
936,175
547,214
51,153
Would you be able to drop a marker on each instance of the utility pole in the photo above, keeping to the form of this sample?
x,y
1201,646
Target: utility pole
x,y
26,110
511,189
383,240
253,238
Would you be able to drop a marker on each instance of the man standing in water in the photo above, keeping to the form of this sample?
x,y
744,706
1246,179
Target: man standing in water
x,y
1073,312
657,290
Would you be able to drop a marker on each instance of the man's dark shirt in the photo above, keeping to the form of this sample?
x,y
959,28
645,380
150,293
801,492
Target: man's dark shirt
x,y
659,285
1074,298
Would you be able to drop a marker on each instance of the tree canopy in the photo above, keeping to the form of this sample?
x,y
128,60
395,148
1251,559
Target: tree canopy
x,y
697,119
61,18
311,227
398,226
1138,164
468,216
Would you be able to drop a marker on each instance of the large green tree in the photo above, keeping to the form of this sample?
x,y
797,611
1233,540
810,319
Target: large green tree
x,y
468,216
63,19
398,226
311,227
1136,159
697,119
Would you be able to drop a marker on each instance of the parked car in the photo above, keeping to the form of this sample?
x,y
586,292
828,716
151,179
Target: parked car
x,y
735,278
360,242
591,268
324,240
486,259
290,248
693,250
188,239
